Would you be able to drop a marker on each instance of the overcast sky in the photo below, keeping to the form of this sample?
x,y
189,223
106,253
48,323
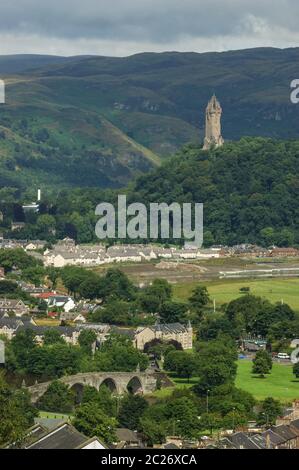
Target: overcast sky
x,y
124,27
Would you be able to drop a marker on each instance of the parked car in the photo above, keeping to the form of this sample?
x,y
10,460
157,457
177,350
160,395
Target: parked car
x,y
283,356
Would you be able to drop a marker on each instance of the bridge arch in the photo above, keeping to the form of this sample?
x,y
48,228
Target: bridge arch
x,y
135,386
77,389
110,383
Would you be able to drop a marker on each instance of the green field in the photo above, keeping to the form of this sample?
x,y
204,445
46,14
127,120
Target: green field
x,y
280,384
49,415
179,383
224,291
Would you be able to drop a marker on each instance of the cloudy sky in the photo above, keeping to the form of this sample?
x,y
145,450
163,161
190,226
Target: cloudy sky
x,y
124,27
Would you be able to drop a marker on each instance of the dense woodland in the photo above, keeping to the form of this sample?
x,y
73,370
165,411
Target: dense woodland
x,y
250,191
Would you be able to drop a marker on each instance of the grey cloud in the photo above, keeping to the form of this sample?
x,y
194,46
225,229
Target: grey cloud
x,y
158,21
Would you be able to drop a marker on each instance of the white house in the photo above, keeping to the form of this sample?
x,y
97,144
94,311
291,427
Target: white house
x,y
61,301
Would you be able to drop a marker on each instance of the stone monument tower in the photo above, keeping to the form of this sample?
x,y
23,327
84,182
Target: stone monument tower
x,y
213,137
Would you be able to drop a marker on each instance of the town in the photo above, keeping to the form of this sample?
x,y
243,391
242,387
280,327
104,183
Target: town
x,y
98,320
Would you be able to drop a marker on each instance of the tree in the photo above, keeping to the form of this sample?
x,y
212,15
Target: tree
x,y
92,421
16,414
199,298
73,277
296,370
260,367
102,397
182,363
216,364
132,408
52,336
7,287
89,289
57,398
173,312
182,414
211,421
23,345
86,340
119,354
116,285
154,296
270,410
153,432
262,363
53,274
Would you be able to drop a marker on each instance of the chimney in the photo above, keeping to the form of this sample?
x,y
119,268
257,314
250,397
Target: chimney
x,y
39,194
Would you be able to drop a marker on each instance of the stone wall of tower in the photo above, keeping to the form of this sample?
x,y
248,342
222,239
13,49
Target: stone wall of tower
x,y
213,137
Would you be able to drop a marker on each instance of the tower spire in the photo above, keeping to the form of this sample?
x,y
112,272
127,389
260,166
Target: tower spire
x,y
213,137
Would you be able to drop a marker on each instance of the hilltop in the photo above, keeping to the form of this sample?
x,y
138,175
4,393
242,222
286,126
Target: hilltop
x,y
99,121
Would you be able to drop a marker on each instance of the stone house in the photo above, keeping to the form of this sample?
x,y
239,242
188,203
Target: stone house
x,y
10,326
72,316
291,415
165,332
13,306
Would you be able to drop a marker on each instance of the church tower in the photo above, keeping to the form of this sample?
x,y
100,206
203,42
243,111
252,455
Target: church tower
x,y
213,137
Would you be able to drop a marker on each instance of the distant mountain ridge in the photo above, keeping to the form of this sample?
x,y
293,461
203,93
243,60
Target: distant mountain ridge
x,y
107,118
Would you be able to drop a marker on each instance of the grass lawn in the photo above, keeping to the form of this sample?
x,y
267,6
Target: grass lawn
x,y
179,383
49,415
280,384
47,322
224,291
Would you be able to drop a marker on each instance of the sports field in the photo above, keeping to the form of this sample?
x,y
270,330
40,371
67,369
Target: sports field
x,y
280,384
224,291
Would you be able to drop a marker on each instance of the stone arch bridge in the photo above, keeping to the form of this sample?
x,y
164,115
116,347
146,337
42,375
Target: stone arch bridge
x,y
118,382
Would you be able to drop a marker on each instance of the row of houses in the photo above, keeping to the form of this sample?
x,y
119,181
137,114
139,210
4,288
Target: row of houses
x,y
62,436
28,245
183,334
55,433
255,251
66,252
277,437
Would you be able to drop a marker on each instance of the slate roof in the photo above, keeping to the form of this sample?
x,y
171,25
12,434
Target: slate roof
x,y
275,439
12,323
259,440
295,423
63,437
126,435
241,441
171,446
285,432
123,331
224,443
169,328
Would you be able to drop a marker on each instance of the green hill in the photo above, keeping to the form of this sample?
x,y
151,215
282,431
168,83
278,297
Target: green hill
x,y
250,189
99,121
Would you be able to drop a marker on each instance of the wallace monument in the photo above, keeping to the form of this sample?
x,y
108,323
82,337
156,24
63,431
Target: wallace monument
x,y
213,137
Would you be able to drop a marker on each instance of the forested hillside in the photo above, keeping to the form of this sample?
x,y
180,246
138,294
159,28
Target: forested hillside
x,y
99,121
250,191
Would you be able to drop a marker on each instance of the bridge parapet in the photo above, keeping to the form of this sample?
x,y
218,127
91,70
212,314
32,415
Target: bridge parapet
x,y
118,382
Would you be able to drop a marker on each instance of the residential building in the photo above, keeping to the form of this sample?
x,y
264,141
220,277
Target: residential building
x,y
127,439
64,436
183,334
13,306
61,301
